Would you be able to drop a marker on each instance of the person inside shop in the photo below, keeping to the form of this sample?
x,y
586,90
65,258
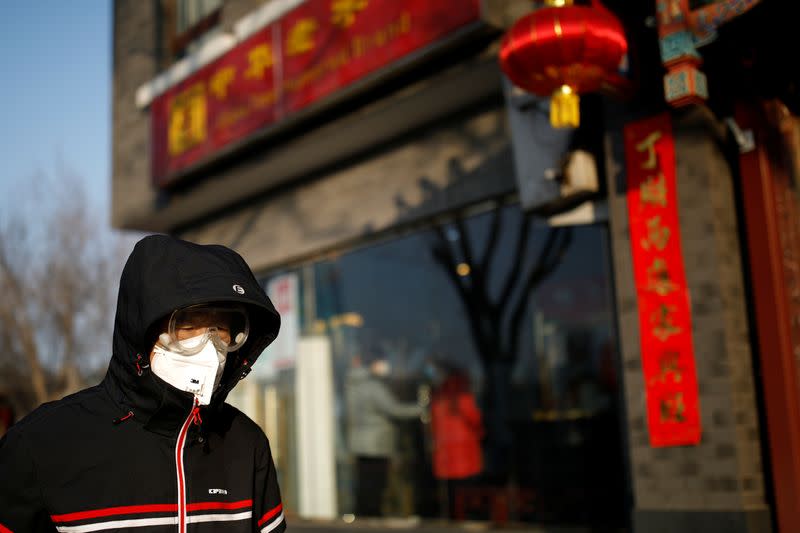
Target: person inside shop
x,y
154,444
457,431
373,412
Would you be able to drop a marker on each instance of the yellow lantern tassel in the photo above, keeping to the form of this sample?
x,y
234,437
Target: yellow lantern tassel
x,y
565,111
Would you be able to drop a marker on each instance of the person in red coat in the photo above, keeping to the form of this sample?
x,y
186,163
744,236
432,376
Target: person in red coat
x,y
457,430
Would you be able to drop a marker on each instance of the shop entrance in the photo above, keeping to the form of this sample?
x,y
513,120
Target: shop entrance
x,y
474,372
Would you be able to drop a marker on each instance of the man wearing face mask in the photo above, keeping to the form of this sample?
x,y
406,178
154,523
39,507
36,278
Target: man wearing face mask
x,y
154,445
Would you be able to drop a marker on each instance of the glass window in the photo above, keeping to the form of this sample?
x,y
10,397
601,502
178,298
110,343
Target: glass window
x,y
471,369
191,12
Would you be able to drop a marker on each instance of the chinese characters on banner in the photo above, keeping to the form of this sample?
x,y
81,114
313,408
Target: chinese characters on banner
x,y
663,298
318,48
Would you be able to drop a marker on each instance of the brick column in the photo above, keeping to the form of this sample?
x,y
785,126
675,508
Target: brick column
x,y
135,62
717,486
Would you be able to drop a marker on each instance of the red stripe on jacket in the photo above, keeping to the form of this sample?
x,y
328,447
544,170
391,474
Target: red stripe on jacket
x,y
206,506
270,514
153,508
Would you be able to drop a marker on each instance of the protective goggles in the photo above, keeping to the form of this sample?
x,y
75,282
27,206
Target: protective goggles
x,y
192,327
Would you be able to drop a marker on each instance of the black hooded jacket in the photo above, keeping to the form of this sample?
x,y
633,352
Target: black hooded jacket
x,y
134,453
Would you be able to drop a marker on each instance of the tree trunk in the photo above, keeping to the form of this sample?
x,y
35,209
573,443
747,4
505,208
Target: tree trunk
x,y
499,437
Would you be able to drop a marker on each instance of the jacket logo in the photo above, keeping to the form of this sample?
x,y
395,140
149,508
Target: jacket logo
x,y
217,491
238,289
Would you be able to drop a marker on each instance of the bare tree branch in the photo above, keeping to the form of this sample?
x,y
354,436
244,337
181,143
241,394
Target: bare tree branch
x,y
549,259
479,286
464,243
487,319
491,243
472,307
519,255
56,270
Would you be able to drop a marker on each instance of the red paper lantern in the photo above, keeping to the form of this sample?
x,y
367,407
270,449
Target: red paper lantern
x,y
561,51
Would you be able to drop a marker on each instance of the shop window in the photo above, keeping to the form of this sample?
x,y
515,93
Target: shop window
x,y
472,373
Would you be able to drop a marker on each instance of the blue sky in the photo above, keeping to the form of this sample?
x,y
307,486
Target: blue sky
x,y
55,85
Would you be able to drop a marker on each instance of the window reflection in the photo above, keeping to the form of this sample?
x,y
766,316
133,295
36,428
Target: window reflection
x,y
473,373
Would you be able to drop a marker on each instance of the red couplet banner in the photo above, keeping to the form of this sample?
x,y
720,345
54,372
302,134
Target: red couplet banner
x,y
315,50
665,321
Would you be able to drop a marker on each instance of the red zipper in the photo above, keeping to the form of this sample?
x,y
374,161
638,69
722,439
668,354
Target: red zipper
x,y
194,416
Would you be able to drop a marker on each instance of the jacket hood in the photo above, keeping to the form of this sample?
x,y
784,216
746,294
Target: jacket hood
x,y
162,274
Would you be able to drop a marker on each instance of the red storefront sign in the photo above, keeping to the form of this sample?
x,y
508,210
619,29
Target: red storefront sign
x,y
665,321
315,50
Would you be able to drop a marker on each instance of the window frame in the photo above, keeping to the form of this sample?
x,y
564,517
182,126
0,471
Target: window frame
x,y
180,40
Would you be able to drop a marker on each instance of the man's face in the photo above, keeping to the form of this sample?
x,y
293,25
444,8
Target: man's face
x,y
228,325
381,367
200,322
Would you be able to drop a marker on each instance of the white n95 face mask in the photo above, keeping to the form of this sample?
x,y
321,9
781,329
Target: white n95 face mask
x,y
198,374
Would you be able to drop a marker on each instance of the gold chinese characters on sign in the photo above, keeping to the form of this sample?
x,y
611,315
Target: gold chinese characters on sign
x,y
667,352
188,119
343,12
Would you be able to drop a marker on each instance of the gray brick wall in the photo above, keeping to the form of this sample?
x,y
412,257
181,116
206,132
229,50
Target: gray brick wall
x,y
724,473
134,63
712,254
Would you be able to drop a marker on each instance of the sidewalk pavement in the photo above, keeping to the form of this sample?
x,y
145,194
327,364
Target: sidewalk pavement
x,y
415,525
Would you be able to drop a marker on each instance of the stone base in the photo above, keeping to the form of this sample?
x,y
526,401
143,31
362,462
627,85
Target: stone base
x,y
657,521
